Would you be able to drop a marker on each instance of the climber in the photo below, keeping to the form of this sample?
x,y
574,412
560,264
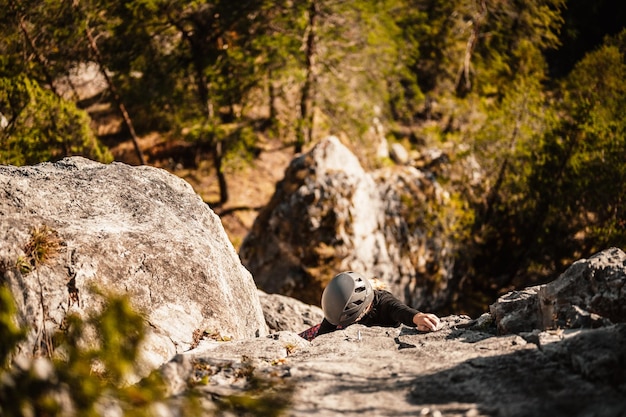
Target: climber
x,y
350,298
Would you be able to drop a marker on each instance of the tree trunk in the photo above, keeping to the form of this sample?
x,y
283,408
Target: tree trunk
x,y
116,97
38,56
203,88
307,100
221,178
493,194
463,84
273,113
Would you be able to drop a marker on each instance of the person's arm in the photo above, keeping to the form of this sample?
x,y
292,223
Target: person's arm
x,y
408,316
427,322
326,327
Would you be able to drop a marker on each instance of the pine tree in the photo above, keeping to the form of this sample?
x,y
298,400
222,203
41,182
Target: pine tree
x,y
40,126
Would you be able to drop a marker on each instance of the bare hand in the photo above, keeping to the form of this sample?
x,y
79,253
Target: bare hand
x,y
427,322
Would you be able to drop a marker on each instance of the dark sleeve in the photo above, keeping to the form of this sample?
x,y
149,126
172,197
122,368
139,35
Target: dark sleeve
x,y
395,310
326,327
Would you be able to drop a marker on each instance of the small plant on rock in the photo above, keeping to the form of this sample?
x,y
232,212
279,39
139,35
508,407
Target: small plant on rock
x,y
43,244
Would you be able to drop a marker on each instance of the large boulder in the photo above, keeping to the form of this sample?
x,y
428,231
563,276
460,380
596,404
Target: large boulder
x,y
590,293
284,313
138,231
329,215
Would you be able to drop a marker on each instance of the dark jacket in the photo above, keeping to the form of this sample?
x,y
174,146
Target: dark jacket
x,y
386,311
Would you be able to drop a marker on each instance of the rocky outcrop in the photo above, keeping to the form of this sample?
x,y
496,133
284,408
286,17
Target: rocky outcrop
x,y
328,215
144,232
557,349
468,368
459,371
284,313
590,293
138,231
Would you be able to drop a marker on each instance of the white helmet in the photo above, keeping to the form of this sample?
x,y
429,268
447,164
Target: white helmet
x,y
345,297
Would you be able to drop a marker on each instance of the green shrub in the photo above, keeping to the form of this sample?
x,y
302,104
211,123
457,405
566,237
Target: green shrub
x,y
39,126
80,374
80,380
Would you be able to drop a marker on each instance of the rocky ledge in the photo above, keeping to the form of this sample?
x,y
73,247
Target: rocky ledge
x,y
457,371
510,362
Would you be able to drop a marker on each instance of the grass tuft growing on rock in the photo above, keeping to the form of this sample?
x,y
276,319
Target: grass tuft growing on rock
x,y
43,244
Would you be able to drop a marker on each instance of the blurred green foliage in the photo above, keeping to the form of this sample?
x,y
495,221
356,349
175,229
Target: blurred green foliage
x,y
88,363
83,377
39,126
89,375
557,185
10,332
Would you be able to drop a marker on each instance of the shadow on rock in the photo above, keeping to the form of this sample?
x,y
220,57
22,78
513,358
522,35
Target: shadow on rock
x,y
582,375
342,398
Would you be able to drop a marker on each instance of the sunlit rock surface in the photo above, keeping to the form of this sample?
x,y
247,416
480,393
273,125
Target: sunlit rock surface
x,y
468,368
589,294
138,231
329,215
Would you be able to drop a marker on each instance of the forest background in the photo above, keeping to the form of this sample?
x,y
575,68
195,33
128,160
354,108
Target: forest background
x,y
532,92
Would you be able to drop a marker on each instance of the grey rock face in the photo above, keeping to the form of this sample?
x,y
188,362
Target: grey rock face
x,y
328,215
590,293
138,231
458,371
517,311
465,369
284,313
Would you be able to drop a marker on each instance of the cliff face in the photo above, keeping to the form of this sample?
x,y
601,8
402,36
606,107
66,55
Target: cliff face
x,y
511,363
138,231
329,215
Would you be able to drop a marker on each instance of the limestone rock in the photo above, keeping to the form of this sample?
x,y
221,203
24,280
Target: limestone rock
x,y
284,313
517,311
138,231
458,371
329,215
590,287
590,293
399,154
